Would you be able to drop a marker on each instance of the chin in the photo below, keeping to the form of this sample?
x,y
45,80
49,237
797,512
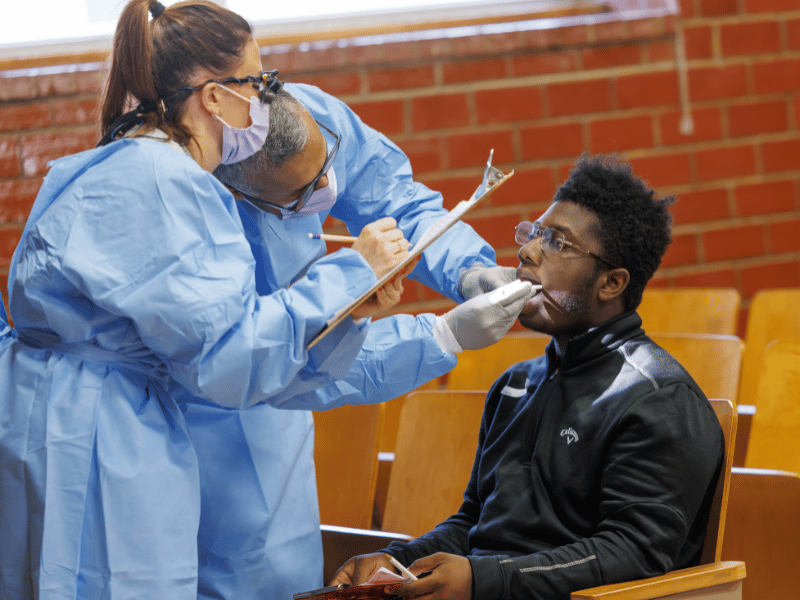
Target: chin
x,y
530,320
540,318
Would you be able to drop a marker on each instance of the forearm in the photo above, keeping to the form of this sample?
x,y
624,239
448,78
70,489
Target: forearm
x,y
450,536
398,355
253,352
554,574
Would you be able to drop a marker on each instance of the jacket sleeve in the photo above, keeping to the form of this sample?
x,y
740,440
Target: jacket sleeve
x,y
379,182
170,255
659,475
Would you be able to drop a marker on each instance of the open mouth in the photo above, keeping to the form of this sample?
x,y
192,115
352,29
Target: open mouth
x,y
530,305
524,277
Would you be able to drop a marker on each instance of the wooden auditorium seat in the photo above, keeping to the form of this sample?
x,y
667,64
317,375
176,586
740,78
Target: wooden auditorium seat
x,y
346,460
713,361
713,579
774,314
436,445
478,369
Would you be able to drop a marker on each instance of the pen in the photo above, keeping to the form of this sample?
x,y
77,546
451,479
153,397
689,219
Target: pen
x,y
331,238
405,572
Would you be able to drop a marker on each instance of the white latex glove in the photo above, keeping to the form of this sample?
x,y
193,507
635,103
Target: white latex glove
x,y
483,320
479,279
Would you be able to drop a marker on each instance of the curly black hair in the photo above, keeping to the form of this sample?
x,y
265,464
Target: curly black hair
x,y
635,226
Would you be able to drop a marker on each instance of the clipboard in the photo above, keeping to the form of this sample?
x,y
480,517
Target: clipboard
x,y
492,179
364,591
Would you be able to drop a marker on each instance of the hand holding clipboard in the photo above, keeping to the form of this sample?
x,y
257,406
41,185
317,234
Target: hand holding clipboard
x,y
492,179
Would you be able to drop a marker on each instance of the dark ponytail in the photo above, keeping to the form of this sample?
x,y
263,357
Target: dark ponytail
x,y
154,58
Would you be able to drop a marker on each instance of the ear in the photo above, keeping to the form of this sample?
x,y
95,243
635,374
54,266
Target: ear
x,y
210,97
613,283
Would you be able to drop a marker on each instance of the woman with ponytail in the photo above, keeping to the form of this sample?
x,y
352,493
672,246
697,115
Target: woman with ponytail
x,y
133,279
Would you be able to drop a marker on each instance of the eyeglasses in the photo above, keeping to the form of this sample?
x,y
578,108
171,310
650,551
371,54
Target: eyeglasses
x,y
552,240
325,168
298,204
267,80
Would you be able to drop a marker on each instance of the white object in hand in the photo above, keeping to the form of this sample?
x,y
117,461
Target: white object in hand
x,y
406,573
485,319
480,279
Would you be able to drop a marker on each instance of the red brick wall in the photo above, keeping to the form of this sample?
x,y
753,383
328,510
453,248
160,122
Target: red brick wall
x,y
539,98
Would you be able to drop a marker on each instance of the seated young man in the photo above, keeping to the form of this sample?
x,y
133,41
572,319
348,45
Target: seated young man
x,y
597,462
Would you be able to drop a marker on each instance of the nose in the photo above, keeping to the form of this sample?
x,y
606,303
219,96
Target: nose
x,y
531,252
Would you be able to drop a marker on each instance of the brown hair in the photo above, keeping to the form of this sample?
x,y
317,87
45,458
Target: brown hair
x,y
153,59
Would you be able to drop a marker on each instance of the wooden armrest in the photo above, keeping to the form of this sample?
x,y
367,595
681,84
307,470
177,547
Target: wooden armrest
x,y
340,544
674,582
744,423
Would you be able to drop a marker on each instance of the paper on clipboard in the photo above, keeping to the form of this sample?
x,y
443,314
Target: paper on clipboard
x,y
492,179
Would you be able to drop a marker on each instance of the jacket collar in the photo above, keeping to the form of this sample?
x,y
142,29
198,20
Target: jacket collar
x,y
596,342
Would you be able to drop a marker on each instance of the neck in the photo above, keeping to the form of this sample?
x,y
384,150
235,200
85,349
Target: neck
x,y
206,143
204,151
601,317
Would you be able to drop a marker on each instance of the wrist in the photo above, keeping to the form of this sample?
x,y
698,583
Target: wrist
x,y
444,337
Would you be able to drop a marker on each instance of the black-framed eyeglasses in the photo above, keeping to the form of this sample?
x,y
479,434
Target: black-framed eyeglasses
x,y
266,81
552,240
297,205
325,168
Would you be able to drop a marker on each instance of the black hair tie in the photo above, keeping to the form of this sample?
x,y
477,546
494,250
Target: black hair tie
x,y
147,106
157,9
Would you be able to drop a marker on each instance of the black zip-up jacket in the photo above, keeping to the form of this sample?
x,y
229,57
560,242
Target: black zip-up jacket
x,y
596,470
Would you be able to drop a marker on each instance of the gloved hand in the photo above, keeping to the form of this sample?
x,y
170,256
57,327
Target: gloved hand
x,y
483,320
479,279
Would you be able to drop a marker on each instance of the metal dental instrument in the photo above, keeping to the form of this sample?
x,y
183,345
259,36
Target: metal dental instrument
x,y
491,175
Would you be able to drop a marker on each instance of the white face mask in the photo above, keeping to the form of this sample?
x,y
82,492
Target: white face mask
x,y
238,144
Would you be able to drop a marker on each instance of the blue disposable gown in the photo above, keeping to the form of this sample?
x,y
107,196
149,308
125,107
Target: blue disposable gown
x,y
259,535
134,282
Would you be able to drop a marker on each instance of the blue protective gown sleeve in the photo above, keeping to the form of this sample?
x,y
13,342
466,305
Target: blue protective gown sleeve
x,y
397,351
165,251
398,355
375,180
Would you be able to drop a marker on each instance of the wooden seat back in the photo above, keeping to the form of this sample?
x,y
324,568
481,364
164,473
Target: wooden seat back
x,y
346,460
690,310
713,361
775,431
774,314
478,369
436,445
